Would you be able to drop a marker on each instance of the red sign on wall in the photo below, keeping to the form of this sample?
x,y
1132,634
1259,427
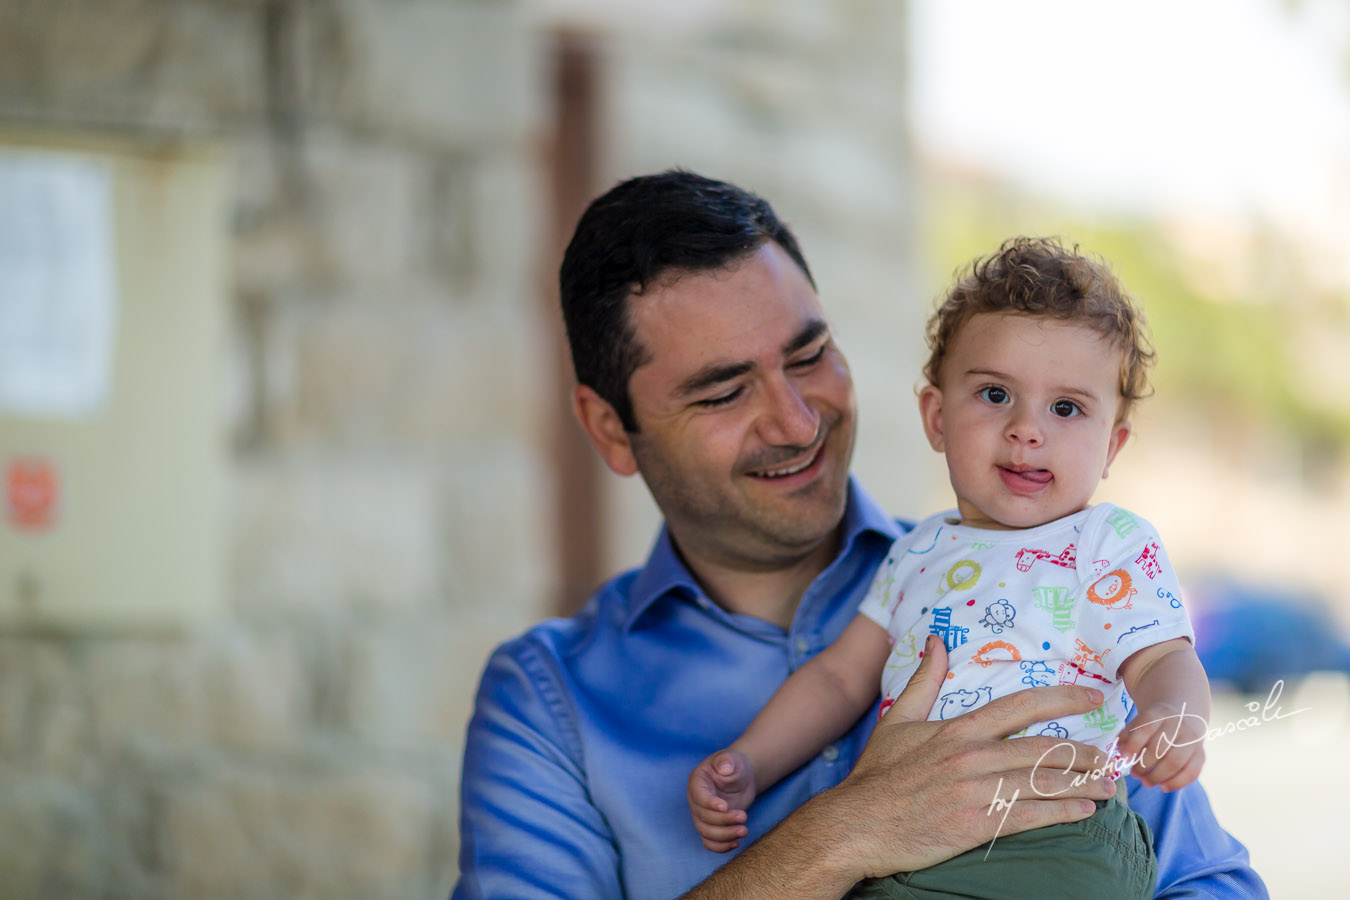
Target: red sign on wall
x,y
31,491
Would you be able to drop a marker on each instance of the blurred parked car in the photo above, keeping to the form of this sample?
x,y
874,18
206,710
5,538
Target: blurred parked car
x,y
1251,636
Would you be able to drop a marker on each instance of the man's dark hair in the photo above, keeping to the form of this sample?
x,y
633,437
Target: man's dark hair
x,y
641,231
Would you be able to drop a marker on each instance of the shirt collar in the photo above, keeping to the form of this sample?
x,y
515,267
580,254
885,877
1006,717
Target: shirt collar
x,y
665,574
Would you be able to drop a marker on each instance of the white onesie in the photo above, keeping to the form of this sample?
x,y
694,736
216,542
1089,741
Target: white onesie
x,y
1062,603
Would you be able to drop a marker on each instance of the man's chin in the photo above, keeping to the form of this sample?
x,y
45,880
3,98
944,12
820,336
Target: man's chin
x,y
807,518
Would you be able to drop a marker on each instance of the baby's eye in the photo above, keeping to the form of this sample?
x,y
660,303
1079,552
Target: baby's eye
x,y
1066,409
994,394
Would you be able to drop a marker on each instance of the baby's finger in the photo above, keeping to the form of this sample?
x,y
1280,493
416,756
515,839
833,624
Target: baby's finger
x,y
723,837
701,797
1133,740
717,818
1166,767
1141,769
721,846
1186,775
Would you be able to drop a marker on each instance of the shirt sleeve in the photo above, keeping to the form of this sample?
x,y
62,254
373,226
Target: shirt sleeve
x,y
1196,857
527,827
1131,589
879,603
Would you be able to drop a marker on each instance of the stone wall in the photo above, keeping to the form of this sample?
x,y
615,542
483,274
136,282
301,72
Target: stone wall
x,y
389,397
388,458
805,103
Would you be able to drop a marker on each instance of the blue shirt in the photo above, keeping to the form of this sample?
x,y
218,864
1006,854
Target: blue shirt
x,y
586,728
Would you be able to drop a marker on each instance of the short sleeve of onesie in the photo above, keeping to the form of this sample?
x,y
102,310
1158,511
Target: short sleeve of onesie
x,y
880,601
1130,595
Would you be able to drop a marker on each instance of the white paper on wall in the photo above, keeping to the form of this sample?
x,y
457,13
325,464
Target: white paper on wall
x,y
57,284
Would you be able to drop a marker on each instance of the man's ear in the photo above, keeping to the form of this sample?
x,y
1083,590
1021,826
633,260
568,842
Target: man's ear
x,y
603,426
1120,433
930,411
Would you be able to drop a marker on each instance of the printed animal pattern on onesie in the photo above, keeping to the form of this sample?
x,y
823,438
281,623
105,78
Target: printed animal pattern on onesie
x,y
1062,603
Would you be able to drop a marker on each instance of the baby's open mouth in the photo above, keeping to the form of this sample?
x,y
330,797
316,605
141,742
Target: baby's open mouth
x,y
1026,475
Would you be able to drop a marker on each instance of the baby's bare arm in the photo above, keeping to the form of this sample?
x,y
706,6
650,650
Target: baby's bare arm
x,y
818,703
1170,689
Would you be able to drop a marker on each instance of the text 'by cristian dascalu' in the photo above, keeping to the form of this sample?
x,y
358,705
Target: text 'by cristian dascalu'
x,y
1260,714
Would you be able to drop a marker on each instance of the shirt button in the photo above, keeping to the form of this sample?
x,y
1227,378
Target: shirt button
x,y
830,753
802,645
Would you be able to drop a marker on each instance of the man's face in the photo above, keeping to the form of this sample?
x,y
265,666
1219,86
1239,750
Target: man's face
x,y
745,411
1026,414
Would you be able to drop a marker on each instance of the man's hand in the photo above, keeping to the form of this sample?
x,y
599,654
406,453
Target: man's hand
x,y
720,789
924,791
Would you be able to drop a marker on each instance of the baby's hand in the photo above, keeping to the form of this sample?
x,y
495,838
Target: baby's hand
x,y
720,789
1170,744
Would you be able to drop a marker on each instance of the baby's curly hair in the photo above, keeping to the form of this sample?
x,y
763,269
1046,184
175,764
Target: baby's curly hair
x,y
1041,277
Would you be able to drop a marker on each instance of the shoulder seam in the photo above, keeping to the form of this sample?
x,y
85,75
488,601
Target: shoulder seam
x,y
542,670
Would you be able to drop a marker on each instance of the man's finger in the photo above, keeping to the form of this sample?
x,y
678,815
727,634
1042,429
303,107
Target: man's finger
x,y
1049,754
1043,782
1028,814
916,700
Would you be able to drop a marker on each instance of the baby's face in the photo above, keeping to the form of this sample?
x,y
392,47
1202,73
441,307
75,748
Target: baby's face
x,y
1026,414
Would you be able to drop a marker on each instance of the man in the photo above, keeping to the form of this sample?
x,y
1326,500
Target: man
x,y
706,364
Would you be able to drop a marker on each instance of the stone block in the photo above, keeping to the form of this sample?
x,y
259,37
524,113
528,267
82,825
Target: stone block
x,y
318,832
146,692
326,212
256,690
172,67
231,689
482,221
44,716
50,843
411,680
454,75
499,534
847,26
322,535
411,379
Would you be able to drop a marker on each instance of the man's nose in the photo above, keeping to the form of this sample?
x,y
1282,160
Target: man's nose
x,y
787,420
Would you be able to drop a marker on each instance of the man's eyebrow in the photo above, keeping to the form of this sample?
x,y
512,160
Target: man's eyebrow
x,y
710,375
716,373
812,330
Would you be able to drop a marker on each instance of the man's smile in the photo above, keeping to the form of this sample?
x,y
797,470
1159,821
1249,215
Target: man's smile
x,y
792,468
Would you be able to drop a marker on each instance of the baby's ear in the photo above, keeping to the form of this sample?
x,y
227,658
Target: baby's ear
x,y
1120,433
930,411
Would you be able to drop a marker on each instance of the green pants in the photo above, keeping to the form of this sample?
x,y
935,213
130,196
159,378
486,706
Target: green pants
x,y
1108,856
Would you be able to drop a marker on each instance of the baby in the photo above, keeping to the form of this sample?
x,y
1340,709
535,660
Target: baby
x,y
1037,356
